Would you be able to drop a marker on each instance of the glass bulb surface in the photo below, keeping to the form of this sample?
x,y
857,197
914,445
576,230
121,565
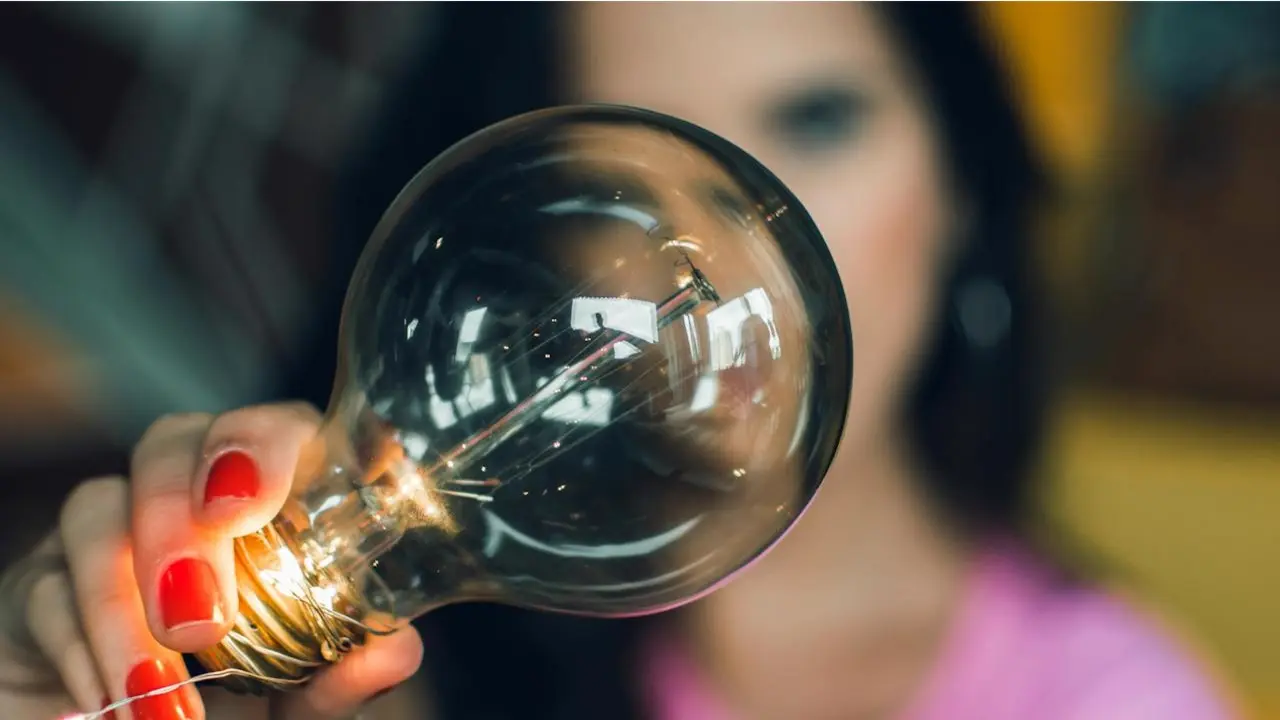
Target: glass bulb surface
x,y
593,360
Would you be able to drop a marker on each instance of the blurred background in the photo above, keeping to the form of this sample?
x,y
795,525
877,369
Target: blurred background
x,y
167,173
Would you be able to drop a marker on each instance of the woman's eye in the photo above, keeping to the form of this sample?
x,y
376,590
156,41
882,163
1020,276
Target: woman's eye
x,y
818,119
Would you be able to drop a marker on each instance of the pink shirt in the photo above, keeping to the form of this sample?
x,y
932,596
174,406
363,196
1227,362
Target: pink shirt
x,y
1026,646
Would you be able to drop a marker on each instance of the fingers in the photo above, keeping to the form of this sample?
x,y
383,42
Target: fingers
x,y
251,459
185,571
149,563
53,621
198,482
130,661
338,691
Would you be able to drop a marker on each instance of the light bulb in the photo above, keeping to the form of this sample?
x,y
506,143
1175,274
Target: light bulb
x,y
593,360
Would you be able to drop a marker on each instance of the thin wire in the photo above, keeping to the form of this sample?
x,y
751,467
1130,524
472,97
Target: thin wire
x,y
204,677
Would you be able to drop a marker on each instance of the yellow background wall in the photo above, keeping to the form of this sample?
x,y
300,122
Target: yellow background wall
x,y
1183,500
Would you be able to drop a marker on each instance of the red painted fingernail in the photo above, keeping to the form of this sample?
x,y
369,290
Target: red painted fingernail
x,y
233,475
111,714
189,594
149,676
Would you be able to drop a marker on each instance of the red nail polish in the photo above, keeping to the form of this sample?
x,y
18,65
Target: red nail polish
x,y
233,475
189,594
149,676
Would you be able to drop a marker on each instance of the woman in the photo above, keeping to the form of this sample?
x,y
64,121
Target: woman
x,y
903,593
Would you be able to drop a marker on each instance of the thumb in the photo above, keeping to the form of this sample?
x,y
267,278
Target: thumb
x,y
338,691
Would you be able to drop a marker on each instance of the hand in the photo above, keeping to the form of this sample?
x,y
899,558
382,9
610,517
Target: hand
x,y
140,570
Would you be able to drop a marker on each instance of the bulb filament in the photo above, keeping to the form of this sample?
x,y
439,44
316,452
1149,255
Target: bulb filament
x,y
697,291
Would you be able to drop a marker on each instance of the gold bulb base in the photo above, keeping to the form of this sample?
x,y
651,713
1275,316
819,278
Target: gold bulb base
x,y
291,622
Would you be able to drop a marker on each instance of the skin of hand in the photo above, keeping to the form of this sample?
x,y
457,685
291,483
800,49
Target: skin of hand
x,y
140,570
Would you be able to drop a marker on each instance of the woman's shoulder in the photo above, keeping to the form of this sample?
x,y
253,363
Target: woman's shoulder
x,y
1028,640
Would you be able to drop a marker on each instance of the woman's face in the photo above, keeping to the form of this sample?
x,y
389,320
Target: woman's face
x,y
817,93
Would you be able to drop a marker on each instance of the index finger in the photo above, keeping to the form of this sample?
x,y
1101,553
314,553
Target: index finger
x,y
250,459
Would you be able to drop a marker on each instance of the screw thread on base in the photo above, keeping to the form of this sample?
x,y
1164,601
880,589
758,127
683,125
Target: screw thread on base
x,y
285,630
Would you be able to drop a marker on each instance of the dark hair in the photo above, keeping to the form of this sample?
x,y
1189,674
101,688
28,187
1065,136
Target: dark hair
x,y
975,412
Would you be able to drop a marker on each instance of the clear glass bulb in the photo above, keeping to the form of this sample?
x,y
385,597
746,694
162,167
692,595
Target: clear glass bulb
x,y
594,360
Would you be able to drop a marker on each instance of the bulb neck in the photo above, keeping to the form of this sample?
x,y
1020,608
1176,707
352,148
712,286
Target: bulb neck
x,y
293,619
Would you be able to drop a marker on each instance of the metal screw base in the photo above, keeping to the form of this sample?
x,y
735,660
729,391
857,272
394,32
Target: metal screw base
x,y
283,633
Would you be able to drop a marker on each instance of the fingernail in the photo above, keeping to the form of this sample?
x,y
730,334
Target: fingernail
x,y
110,714
149,676
233,475
189,594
